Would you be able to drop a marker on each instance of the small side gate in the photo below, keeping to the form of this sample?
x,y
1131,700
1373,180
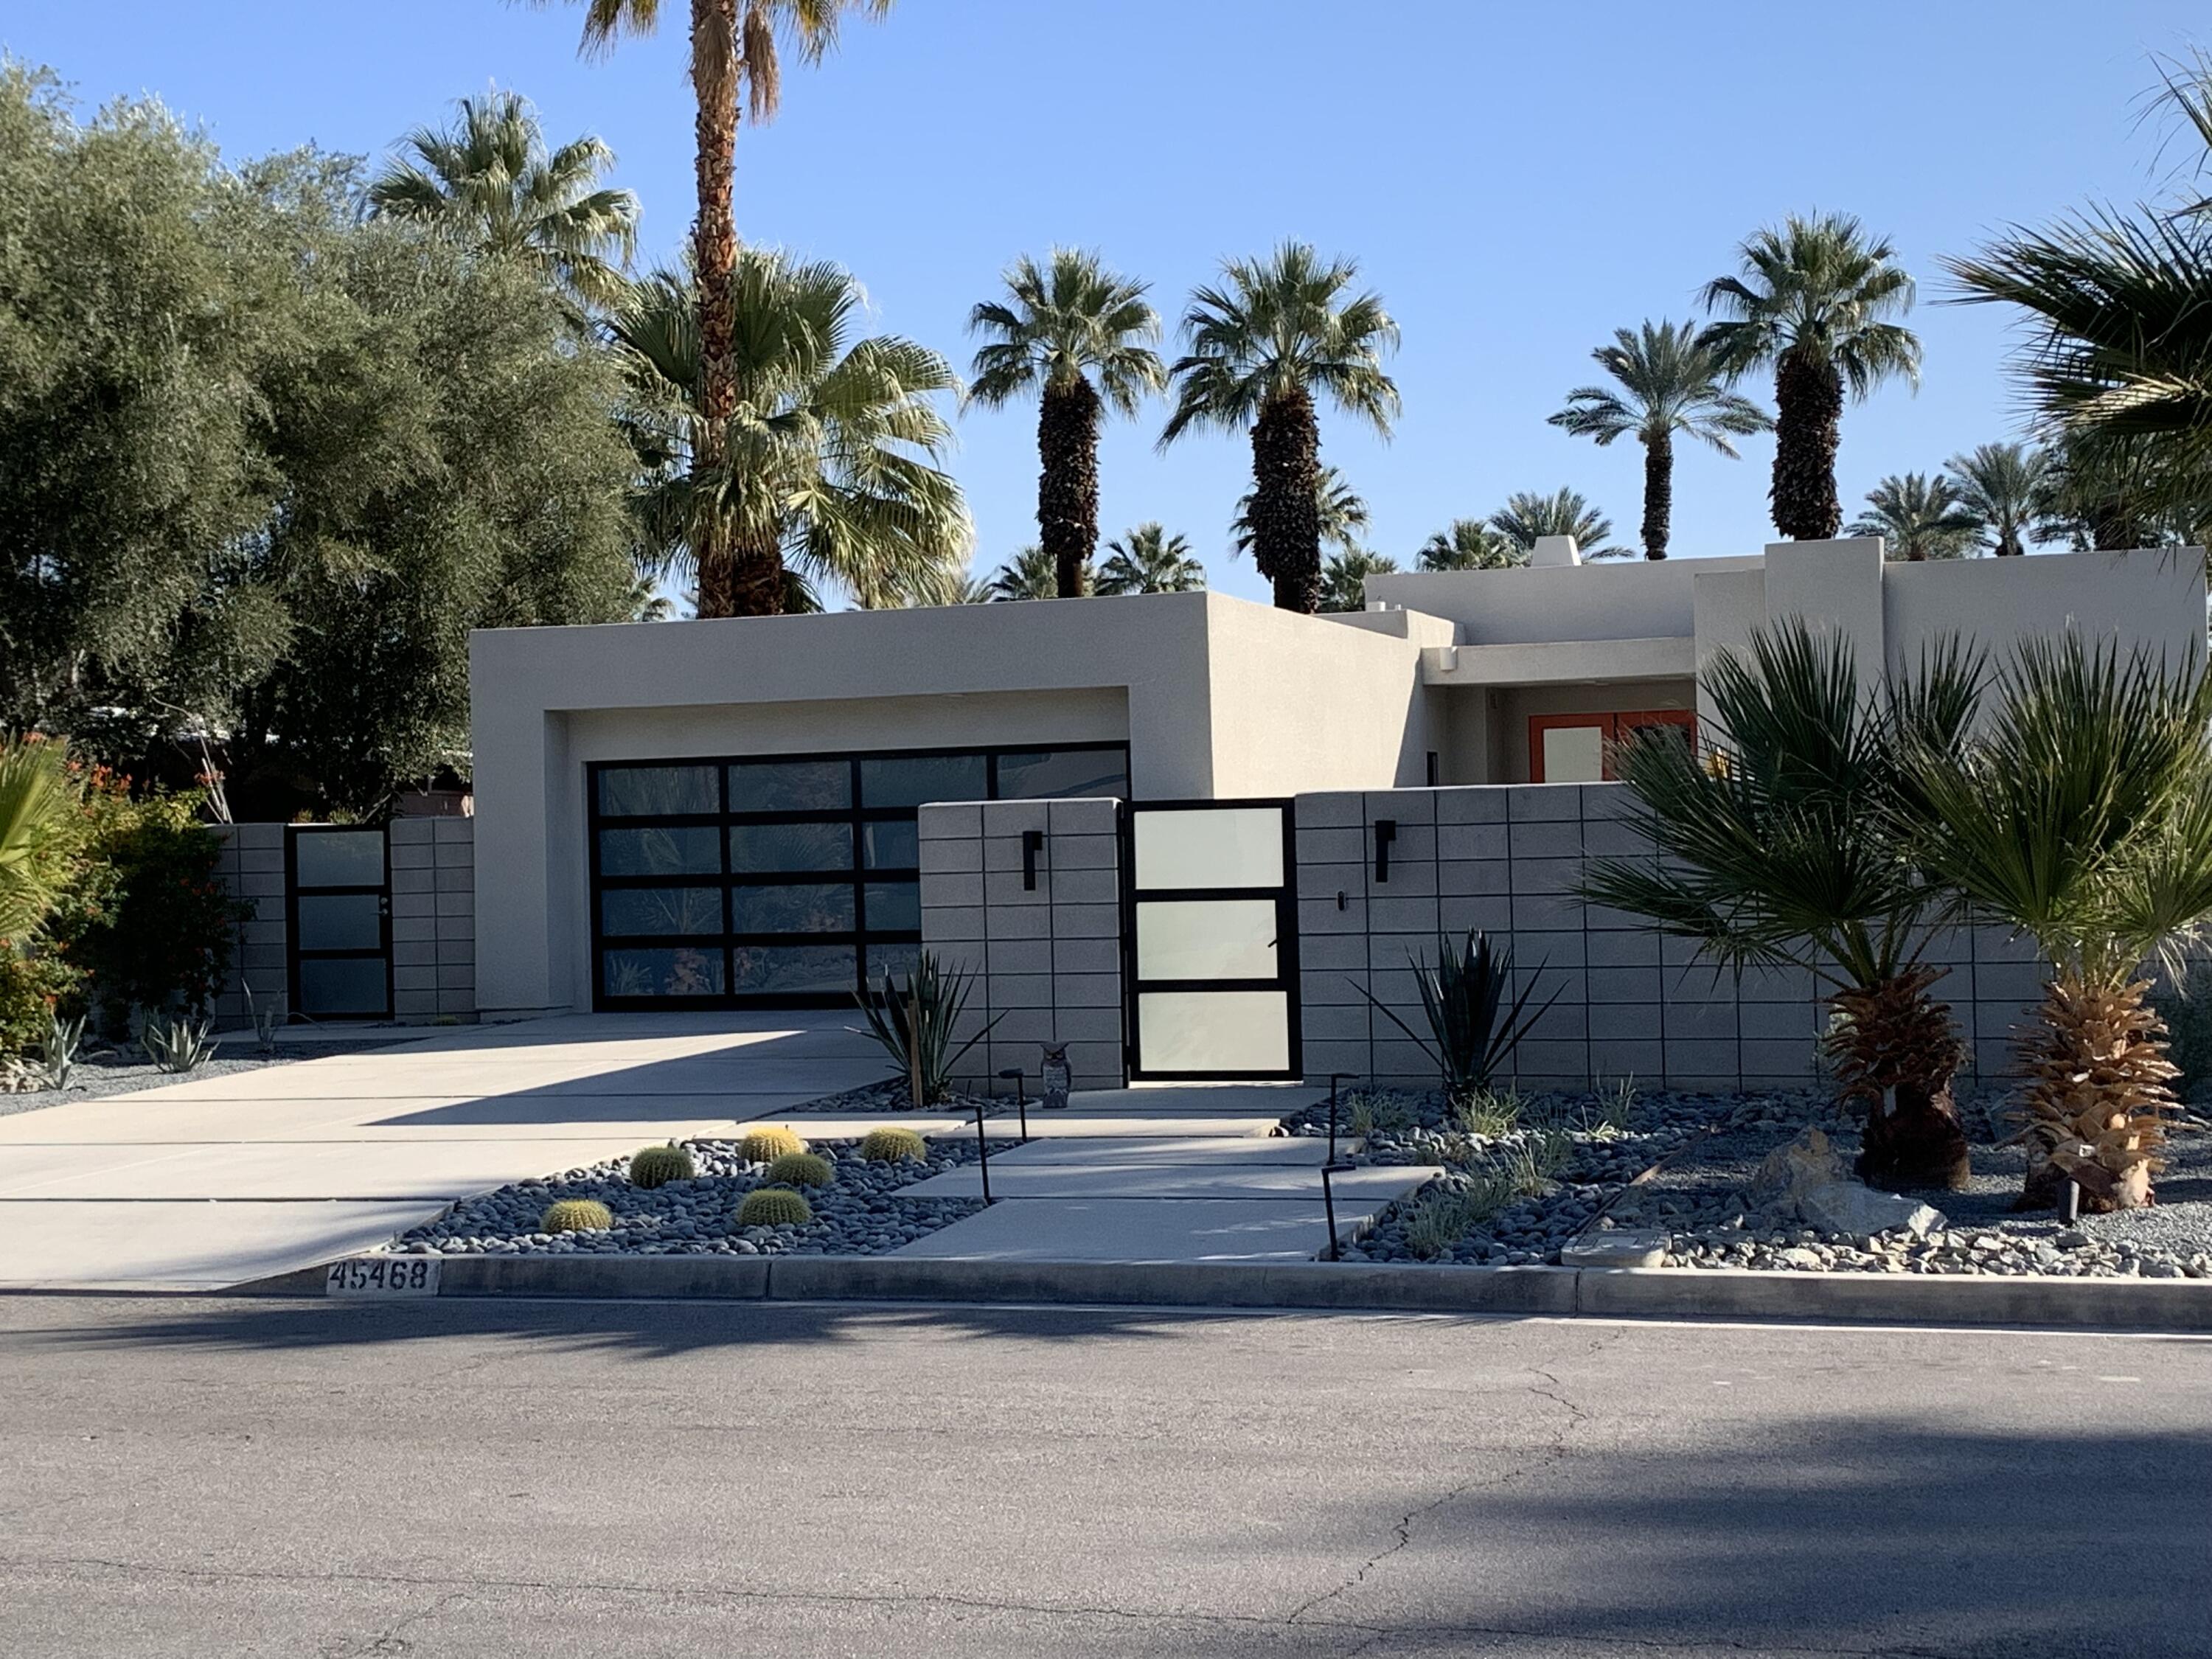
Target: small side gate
x,y
1209,937
337,903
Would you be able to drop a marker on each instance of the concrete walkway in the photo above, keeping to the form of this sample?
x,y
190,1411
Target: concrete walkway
x,y
1160,1175
209,1183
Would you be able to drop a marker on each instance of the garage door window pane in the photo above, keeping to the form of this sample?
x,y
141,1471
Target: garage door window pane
x,y
790,787
891,846
894,906
692,851
677,910
1034,774
342,984
813,970
770,849
803,909
898,960
909,780
651,791
339,858
684,971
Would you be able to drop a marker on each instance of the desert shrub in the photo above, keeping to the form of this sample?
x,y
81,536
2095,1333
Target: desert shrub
x,y
35,986
768,1143
656,1166
179,1045
912,1022
575,1215
893,1146
1491,1112
1475,1020
801,1169
774,1206
1443,1216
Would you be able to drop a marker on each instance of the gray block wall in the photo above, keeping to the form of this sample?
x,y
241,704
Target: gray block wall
x,y
1504,858
1046,960
433,922
251,868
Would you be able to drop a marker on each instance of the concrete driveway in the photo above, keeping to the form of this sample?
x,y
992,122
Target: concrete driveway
x,y
214,1182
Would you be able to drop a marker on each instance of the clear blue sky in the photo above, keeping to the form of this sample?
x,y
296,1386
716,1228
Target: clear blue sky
x,y
1517,180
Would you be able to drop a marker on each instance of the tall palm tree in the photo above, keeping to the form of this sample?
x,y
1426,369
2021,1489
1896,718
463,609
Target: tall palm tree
x,y
1665,382
1526,516
1471,545
1080,337
1147,560
1780,846
735,59
1344,577
1339,514
1920,517
1278,333
828,471
2009,487
490,178
1815,299
1031,573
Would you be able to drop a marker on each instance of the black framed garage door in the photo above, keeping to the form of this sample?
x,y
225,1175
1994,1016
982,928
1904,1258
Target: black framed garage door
x,y
779,881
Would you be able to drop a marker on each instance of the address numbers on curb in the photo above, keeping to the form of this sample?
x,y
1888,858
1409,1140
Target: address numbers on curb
x,y
382,1275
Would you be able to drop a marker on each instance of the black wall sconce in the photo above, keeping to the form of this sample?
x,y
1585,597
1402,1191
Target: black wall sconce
x,y
1386,832
1032,844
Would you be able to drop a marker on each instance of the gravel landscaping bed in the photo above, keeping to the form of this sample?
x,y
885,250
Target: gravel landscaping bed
x,y
892,1095
860,1212
112,1071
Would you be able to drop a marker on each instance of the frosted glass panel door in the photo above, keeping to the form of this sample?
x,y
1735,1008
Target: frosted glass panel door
x,y
337,903
1215,947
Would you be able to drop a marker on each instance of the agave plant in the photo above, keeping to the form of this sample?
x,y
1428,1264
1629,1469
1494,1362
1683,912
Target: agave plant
x,y
2082,816
1474,1021
1783,845
915,1022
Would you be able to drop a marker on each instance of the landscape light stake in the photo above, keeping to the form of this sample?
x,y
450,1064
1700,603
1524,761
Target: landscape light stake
x,y
1021,1099
983,1152
1328,1204
1334,1078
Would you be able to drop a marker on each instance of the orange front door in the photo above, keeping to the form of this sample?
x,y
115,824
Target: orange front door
x,y
1578,748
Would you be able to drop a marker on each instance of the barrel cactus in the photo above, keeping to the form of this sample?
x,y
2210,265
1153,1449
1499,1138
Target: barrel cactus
x,y
656,1166
893,1146
576,1215
801,1169
766,1143
774,1206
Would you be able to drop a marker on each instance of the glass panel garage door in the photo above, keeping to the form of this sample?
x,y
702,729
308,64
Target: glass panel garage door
x,y
778,882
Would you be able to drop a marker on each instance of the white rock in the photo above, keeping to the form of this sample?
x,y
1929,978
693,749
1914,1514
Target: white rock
x,y
1858,1211
1625,1248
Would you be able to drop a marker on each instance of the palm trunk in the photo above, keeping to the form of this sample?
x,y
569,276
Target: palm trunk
x,y
1808,407
1286,518
1658,492
1068,483
1895,1053
2100,1082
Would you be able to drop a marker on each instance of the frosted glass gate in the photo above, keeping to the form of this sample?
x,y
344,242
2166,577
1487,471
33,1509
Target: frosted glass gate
x,y
1213,933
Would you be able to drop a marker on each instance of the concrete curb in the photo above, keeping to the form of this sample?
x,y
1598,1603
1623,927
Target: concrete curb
x,y
1623,1292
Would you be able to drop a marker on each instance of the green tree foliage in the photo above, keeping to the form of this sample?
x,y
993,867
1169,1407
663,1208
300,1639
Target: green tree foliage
x,y
1031,573
1471,545
1920,517
1527,517
1339,514
2010,489
1147,560
270,461
1344,577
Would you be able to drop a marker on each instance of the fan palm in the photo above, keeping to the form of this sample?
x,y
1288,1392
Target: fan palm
x,y
1031,573
1259,349
1816,300
735,59
828,469
1528,516
1147,560
1080,338
1666,381
1339,514
41,830
1779,847
2081,815
490,178
1471,545
1920,517
1344,577
2009,487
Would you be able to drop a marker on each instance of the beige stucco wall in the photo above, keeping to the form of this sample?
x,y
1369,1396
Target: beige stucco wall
x,y
1627,600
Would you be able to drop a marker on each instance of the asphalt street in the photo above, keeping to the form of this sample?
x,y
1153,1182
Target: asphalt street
x,y
186,1476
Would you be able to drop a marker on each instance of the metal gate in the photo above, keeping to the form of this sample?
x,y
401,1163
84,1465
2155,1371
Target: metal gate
x,y
1211,938
337,917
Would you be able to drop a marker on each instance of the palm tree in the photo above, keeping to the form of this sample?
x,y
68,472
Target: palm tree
x,y
1344,577
41,827
2009,487
1814,299
736,57
1528,516
1147,560
1920,517
2081,814
829,469
1471,545
1031,573
1667,383
1067,325
1779,847
1339,514
1278,333
490,178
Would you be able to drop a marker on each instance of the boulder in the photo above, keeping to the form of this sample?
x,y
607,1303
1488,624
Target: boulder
x,y
1795,1167
1854,1210
1628,1247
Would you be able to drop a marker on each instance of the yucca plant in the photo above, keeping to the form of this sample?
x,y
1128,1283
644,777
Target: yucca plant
x,y
2082,816
1475,1020
1781,845
914,1021
57,1049
179,1045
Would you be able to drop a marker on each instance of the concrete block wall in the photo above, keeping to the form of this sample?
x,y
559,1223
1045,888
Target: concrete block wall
x,y
1047,961
434,923
1504,858
251,869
